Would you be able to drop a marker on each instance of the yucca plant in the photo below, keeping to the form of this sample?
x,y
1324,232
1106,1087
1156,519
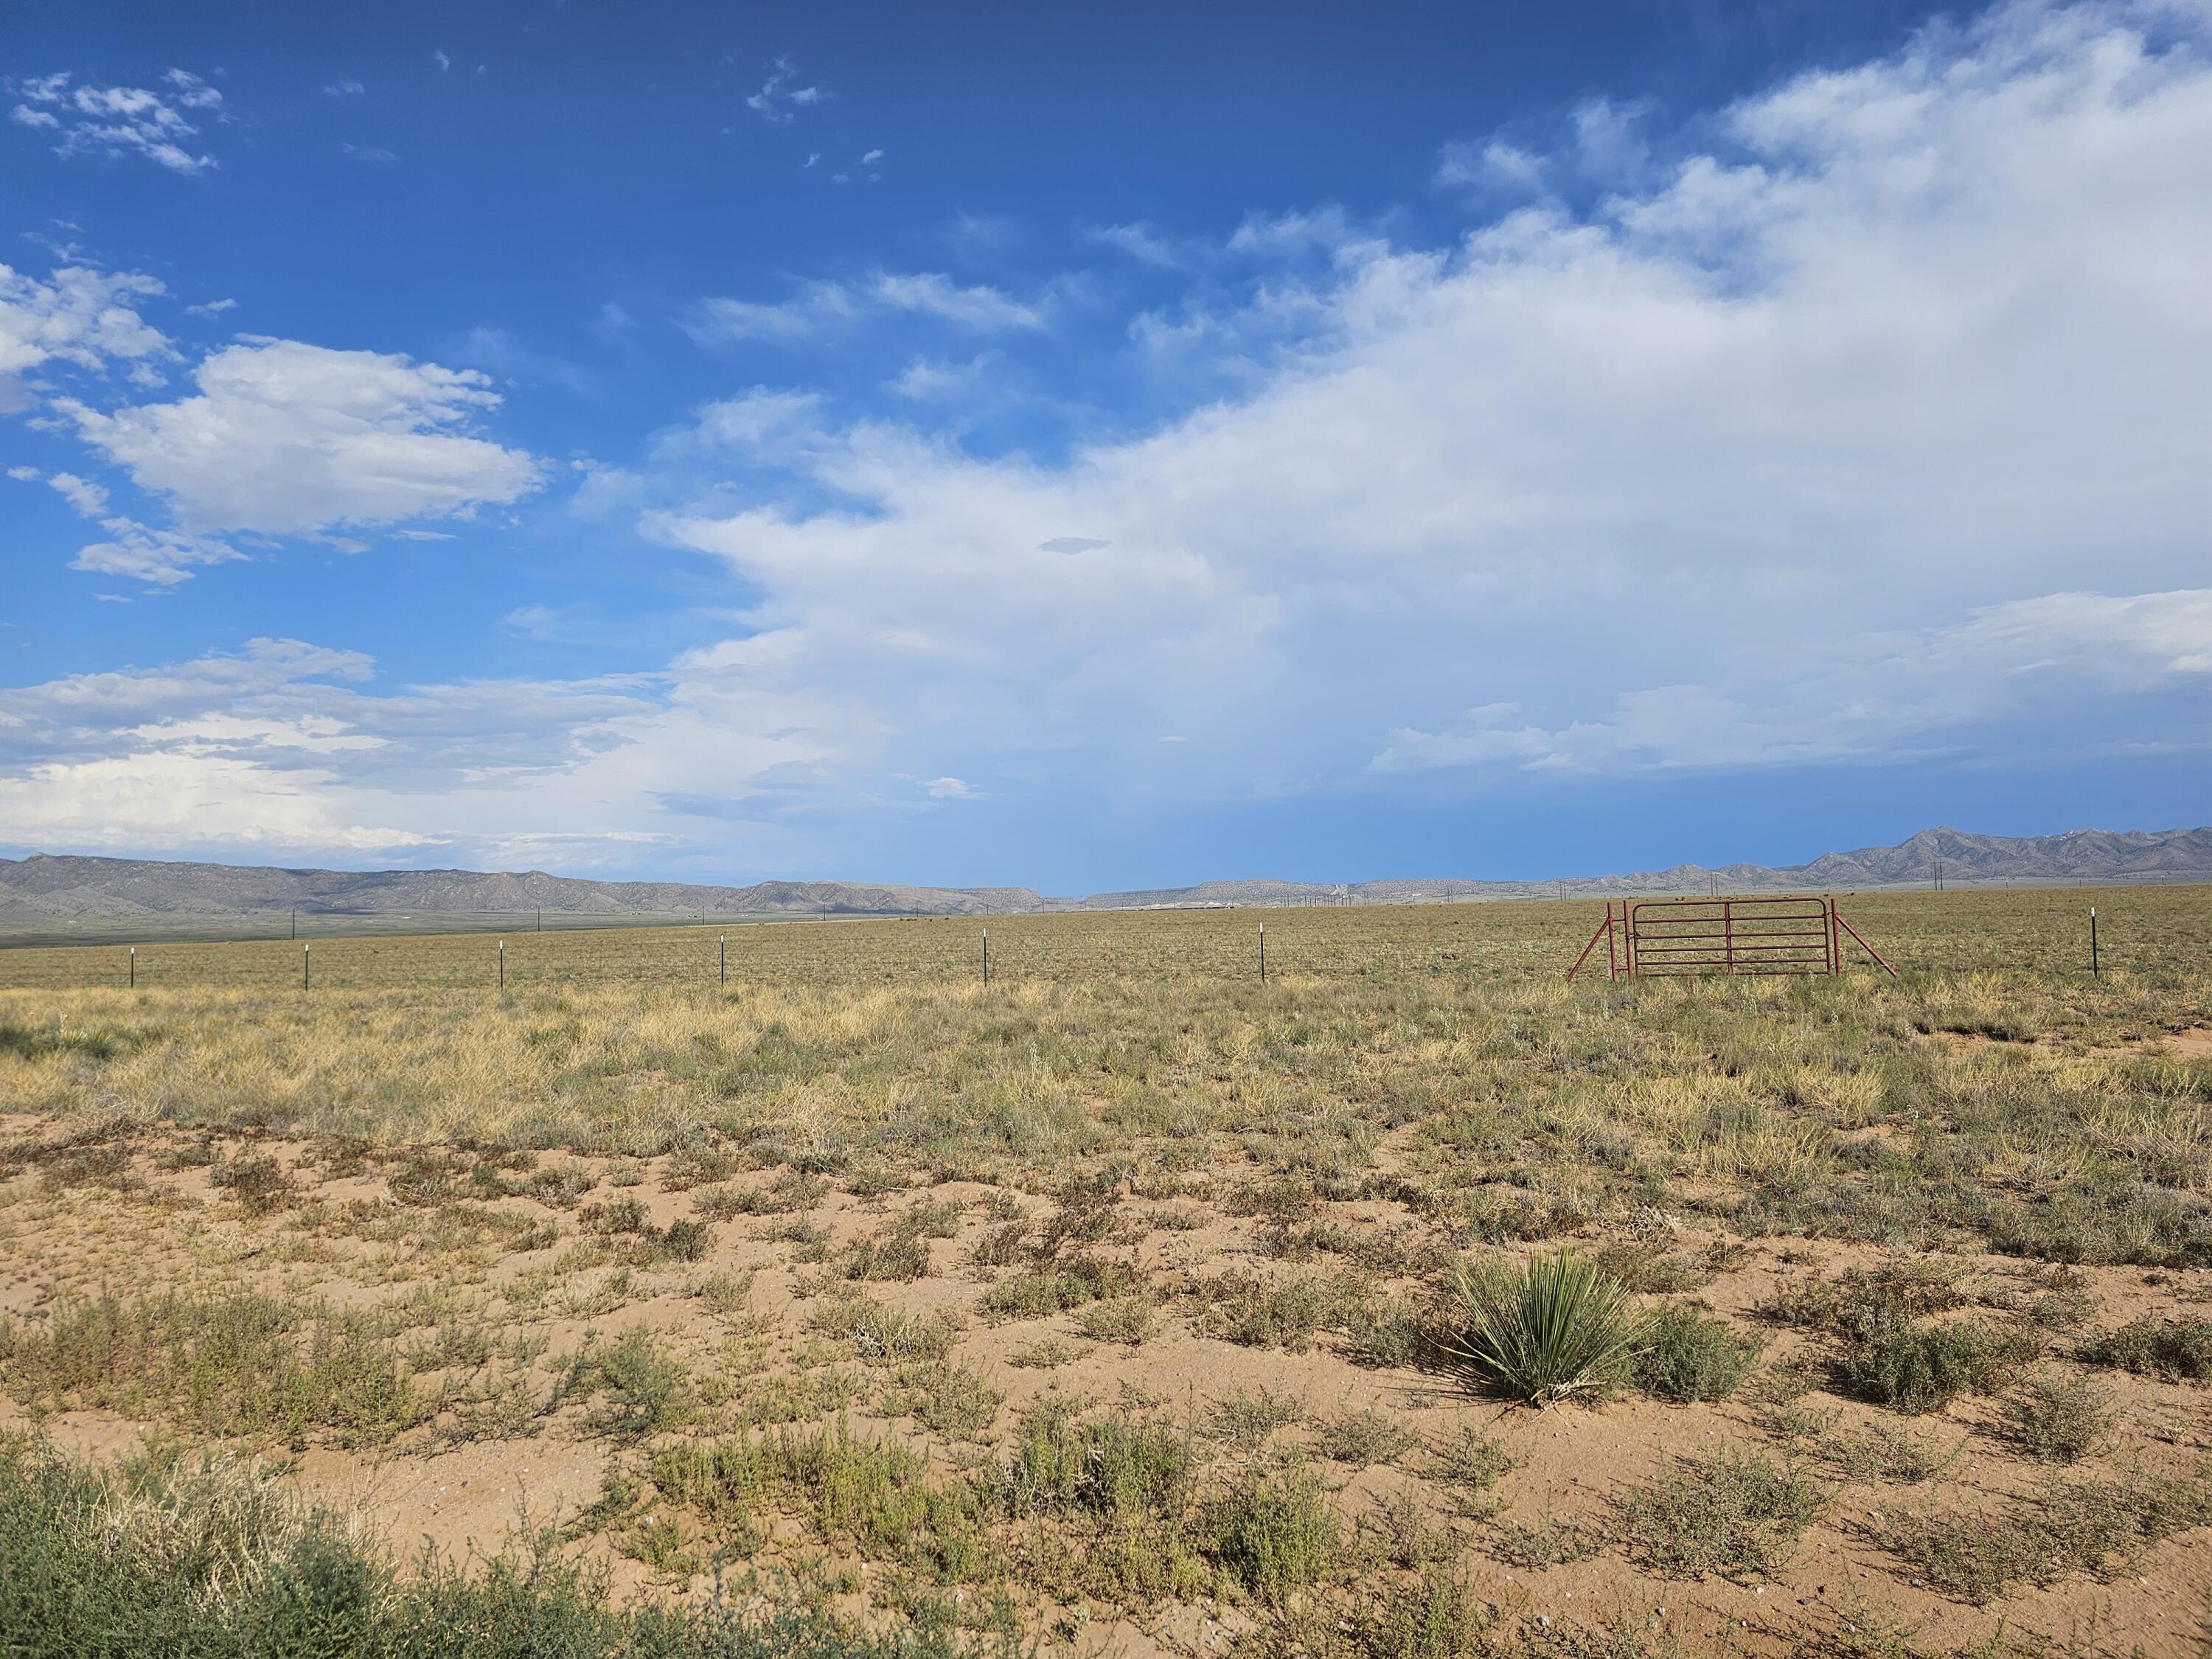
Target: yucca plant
x,y
1556,1325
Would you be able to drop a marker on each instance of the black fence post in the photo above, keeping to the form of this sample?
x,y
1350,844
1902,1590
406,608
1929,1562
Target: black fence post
x,y
304,973
726,960
2095,971
1263,953
134,967
502,964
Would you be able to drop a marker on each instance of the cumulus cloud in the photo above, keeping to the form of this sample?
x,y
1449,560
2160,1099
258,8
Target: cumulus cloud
x,y
286,438
1915,353
1872,431
84,317
160,123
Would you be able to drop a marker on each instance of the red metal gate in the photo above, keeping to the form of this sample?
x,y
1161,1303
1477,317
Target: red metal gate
x,y
1658,938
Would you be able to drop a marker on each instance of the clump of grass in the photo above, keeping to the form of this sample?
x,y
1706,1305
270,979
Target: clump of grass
x,y
643,1390
1729,1514
683,1241
1361,1438
1438,1616
2066,1530
1254,1314
1121,1466
1074,1282
1272,1534
1251,1419
2059,1419
1046,1355
1470,1463
1129,1320
241,1365
2171,1350
946,1398
1554,1327
1924,1367
880,1333
1686,1357
261,1185
897,1253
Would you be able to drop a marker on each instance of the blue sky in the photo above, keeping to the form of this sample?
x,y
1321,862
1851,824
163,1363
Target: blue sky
x,y
1100,447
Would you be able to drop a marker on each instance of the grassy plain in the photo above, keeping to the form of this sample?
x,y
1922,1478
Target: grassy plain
x,y
1111,1305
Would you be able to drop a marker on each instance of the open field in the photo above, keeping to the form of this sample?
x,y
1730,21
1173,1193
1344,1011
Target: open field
x,y
1124,1304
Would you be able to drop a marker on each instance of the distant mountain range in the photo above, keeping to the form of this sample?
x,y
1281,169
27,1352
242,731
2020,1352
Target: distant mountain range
x,y
102,893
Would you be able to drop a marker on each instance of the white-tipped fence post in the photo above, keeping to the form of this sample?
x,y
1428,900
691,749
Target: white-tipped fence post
x,y
502,964
303,978
1263,953
134,967
2095,970
726,959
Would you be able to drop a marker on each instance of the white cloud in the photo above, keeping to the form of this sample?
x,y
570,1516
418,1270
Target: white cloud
x,y
212,307
1495,166
81,317
1875,433
949,789
1922,352
161,125
344,90
977,308
441,61
778,97
368,153
162,557
286,438
87,497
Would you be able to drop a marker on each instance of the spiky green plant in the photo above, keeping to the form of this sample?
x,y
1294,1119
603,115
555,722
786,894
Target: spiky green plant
x,y
1556,1326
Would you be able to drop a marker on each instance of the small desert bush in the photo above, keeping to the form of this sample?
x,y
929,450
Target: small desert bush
x,y
2059,1419
1272,1534
2173,1351
1556,1326
1361,1438
2065,1529
1686,1357
1121,1466
1438,1616
1924,1366
1729,1514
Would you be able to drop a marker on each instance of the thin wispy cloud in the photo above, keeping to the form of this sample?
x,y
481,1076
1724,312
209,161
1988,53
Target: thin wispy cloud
x,y
161,124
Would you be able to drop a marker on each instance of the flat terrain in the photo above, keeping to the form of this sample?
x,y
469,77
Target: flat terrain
x,y
1111,1306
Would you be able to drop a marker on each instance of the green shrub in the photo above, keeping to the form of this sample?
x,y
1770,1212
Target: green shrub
x,y
2173,1351
1554,1327
1924,1367
2065,1529
1687,1357
1731,1514
1272,1534
2060,1419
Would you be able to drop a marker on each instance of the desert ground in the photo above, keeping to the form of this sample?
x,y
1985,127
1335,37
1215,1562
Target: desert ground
x,y
1122,1305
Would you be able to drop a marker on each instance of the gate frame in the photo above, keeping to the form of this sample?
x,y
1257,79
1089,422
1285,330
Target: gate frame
x,y
1622,933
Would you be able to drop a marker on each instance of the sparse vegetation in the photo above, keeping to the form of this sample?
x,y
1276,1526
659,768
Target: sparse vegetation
x,y
1731,1514
766,1265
